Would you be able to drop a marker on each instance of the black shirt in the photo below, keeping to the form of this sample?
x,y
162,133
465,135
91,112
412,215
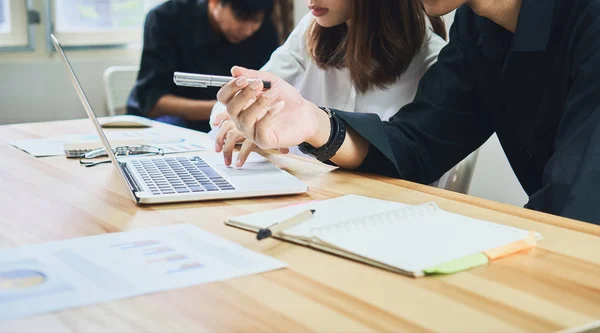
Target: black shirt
x,y
178,37
538,89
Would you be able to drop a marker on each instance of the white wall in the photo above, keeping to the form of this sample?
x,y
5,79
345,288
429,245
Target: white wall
x,y
493,177
40,90
300,10
35,87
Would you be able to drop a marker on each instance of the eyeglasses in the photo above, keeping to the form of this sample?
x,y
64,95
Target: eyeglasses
x,y
139,150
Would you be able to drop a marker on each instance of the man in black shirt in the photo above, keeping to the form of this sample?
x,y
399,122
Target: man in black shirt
x,y
198,36
528,70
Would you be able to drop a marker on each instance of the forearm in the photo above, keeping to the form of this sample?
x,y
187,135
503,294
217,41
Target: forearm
x,y
185,108
352,152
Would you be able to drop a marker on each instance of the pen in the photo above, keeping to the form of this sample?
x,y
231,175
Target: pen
x,y
203,80
285,224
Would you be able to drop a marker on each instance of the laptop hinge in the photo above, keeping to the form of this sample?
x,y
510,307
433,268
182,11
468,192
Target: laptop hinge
x,y
133,185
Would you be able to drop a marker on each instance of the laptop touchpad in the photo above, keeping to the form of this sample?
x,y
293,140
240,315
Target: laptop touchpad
x,y
252,169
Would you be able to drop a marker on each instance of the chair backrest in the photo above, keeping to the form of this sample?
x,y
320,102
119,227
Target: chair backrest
x,y
458,179
118,82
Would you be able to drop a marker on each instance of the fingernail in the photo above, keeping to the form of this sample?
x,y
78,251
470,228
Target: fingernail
x,y
241,81
227,161
256,84
238,163
217,146
271,94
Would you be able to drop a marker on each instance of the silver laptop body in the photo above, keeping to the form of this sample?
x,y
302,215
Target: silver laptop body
x,y
189,178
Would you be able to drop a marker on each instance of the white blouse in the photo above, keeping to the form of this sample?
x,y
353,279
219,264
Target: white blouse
x,y
333,87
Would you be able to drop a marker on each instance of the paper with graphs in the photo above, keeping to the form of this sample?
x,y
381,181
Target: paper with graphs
x,y
47,277
55,146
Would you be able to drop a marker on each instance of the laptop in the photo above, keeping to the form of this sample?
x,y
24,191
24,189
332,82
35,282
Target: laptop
x,y
161,179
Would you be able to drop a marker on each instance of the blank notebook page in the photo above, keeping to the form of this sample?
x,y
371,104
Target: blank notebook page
x,y
327,212
419,237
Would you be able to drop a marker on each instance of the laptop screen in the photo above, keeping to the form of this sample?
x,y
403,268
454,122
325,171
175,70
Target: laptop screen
x,y
89,110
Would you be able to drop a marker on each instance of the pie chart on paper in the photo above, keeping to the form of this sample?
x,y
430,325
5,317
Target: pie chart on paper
x,y
20,279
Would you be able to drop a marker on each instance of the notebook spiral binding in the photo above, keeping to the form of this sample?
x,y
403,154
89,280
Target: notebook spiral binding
x,y
385,218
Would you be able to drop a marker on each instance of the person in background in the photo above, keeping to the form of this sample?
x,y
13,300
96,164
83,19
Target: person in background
x,y
526,70
355,55
197,36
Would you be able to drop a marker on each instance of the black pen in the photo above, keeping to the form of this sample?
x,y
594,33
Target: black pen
x,y
285,224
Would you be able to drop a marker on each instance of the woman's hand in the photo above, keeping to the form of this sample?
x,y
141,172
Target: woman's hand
x,y
228,137
277,118
282,118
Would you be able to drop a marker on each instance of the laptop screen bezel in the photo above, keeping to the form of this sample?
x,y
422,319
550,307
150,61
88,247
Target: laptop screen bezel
x,y
91,114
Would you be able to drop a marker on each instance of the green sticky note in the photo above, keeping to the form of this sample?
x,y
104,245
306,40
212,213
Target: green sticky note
x,y
459,264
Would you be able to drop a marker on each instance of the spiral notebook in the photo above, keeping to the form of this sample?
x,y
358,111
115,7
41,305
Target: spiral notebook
x,y
411,240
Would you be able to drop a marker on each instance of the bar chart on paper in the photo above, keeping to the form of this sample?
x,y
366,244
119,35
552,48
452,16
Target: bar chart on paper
x,y
170,259
81,271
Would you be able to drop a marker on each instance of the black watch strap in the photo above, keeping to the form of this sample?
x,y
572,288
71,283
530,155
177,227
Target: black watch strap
x,y
336,139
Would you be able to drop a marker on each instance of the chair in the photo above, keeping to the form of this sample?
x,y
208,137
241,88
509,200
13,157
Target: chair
x,y
118,82
458,179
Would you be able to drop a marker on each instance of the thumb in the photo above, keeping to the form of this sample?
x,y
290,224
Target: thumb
x,y
237,71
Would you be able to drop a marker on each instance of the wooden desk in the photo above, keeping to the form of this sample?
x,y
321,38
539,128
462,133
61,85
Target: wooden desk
x,y
551,288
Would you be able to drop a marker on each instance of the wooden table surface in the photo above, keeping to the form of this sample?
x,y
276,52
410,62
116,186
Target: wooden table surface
x,y
553,287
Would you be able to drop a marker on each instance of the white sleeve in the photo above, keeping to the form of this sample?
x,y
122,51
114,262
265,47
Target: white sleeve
x,y
288,62
432,48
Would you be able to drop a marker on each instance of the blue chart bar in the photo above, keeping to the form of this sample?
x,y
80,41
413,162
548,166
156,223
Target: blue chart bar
x,y
134,245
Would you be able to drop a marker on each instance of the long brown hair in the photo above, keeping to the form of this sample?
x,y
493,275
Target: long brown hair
x,y
378,44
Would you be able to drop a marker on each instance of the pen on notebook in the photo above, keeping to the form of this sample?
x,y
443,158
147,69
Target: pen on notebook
x,y
203,80
285,224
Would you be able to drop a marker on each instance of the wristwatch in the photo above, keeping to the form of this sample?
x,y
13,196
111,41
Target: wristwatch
x,y
336,139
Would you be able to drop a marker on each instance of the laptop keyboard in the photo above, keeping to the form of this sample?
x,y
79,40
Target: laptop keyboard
x,y
180,175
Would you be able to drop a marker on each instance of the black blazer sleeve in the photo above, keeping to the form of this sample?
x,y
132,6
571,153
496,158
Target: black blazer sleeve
x,y
437,130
